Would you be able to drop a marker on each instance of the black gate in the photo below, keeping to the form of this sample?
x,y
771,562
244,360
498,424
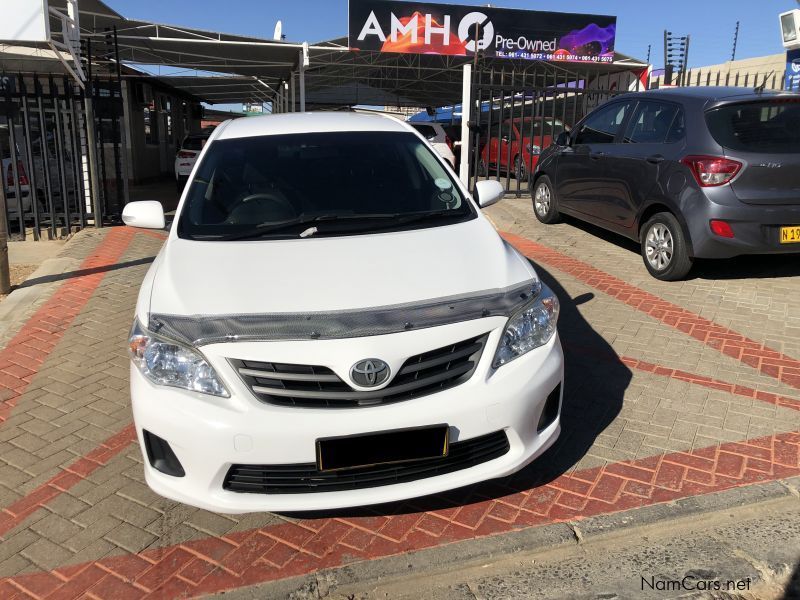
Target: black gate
x,y
520,112
44,152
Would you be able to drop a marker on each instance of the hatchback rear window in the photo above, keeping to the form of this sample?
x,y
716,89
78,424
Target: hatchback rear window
x,y
194,143
764,126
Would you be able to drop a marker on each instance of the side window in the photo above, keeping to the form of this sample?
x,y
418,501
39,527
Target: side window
x,y
602,126
678,130
653,123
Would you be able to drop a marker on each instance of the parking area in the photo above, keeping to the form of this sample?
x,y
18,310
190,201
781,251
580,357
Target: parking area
x,y
672,390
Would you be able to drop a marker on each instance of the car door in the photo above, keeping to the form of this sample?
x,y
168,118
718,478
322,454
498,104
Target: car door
x,y
490,149
633,164
581,177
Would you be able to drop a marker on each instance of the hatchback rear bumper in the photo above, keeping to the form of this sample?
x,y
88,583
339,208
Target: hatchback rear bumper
x,y
756,229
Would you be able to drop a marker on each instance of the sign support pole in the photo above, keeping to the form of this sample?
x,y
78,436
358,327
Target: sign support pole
x,y
466,112
5,270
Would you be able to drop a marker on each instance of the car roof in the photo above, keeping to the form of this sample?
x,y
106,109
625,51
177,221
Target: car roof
x,y
320,122
707,94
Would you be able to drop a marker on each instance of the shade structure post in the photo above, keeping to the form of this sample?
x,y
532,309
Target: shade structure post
x,y
466,112
294,87
304,62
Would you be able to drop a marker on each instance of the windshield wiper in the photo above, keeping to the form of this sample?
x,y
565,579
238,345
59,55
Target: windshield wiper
x,y
396,218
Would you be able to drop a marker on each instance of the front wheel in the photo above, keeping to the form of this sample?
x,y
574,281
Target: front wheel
x,y
664,248
545,205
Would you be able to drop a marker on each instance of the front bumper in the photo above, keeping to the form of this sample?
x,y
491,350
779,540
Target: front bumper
x,y
209,434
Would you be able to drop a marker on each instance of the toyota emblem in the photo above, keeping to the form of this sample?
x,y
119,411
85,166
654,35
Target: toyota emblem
x,y
370,372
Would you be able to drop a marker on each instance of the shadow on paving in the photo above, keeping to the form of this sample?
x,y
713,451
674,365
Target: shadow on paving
x,y
593,394
756,266
792,591
84,272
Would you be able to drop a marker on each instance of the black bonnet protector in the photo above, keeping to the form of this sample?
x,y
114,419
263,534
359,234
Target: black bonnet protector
x,y
200,330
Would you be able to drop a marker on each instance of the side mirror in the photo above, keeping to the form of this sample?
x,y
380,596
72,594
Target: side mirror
x,y
147,214
563,139
489,192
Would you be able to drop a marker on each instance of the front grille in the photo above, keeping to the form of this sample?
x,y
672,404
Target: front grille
x,y
319,387
305,478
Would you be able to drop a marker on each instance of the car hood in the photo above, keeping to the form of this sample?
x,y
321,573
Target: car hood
x,y
195,278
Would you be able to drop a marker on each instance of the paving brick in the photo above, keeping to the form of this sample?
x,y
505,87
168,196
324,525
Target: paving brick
x,y
46,554
130,538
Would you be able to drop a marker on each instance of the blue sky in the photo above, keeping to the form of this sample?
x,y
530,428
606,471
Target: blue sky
x,y
710,22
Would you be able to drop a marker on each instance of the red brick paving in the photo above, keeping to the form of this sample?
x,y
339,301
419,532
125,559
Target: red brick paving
x,y
716,384
767,361
40,334
276,552
701,380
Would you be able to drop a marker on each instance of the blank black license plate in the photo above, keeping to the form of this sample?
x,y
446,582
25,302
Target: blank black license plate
x,y
385,447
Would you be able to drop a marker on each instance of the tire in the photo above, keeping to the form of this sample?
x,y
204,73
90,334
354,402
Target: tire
x,y
520,170
664,249
543,199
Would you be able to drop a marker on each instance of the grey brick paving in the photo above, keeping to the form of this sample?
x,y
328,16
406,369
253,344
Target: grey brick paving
x,y
80,396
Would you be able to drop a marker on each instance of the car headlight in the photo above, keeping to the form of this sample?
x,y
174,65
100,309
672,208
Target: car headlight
x,y
530,327
166,363
533,149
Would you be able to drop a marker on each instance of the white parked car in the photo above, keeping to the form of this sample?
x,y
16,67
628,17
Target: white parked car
x,y
437,137
187,156
332,322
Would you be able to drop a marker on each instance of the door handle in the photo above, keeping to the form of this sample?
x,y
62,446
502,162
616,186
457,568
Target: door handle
x,y
655,159
596,155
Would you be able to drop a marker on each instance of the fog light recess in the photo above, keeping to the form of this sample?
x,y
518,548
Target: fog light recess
x,y
161,456
550,410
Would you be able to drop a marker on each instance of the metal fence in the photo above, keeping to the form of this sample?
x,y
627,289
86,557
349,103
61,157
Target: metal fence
x,y
769,80
44,152
521,112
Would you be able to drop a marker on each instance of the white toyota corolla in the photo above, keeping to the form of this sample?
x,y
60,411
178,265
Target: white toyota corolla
x,y
332,322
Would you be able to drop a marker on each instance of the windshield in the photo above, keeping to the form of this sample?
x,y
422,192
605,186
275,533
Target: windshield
x,y
552,127
766,126
344,183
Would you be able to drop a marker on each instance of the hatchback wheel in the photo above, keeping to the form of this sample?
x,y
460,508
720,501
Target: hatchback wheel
x,y
545,206
664,248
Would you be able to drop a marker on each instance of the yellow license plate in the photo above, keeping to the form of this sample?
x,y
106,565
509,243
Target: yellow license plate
x,y
790,235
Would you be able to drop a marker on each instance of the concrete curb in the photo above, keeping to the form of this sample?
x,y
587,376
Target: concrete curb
x,y
367,574
15,308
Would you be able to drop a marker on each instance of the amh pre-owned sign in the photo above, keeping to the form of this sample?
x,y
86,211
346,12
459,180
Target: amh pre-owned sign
x,y
425,28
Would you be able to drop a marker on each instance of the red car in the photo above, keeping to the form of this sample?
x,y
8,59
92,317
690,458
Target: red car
x,y
524,149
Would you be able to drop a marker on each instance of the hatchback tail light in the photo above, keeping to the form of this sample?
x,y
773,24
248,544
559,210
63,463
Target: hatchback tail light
x,y
23,177
186,154
712,171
